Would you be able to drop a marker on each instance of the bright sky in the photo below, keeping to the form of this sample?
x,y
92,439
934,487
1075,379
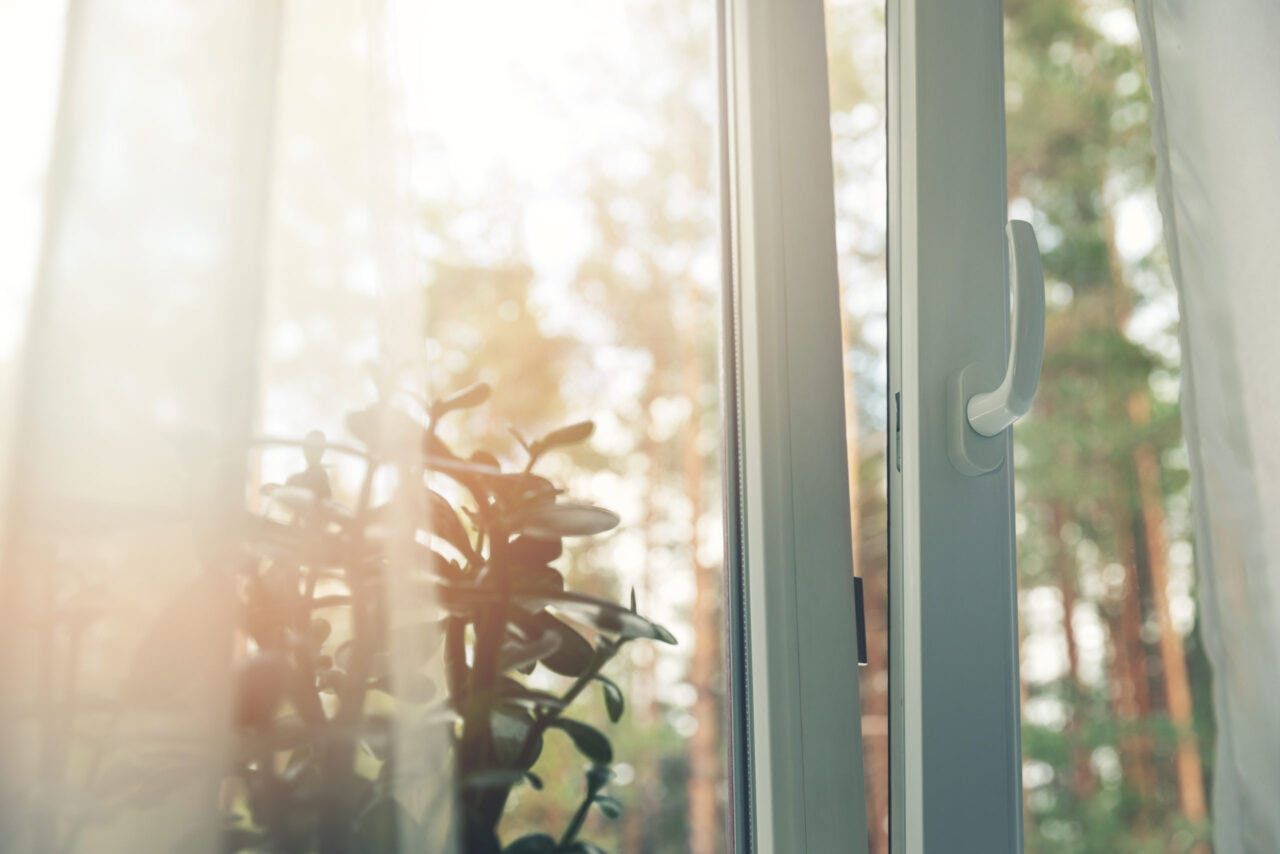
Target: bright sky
x,y
30,43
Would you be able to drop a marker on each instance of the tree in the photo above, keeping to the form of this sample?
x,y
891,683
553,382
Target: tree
x,y
856,56
1093,479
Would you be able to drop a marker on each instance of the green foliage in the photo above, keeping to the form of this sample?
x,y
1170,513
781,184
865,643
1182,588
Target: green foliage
x,y
321,701
1078,146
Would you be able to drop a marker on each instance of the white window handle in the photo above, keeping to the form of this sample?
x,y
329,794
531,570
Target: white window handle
x,y
976,415
992,411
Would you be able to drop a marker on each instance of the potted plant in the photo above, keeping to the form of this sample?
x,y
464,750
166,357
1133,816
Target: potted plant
x,y
331,675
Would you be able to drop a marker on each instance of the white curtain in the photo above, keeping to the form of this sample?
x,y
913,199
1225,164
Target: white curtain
x,y
220,233
1214,70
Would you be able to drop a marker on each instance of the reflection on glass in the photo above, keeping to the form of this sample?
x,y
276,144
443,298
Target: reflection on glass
x,y
563,245
264,304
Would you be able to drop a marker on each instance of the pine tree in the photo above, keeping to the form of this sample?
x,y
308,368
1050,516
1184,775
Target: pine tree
x,y
1092,482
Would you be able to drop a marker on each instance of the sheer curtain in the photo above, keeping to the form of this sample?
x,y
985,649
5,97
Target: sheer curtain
x,y
1215,76
220,259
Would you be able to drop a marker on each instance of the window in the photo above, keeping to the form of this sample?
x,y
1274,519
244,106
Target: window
x,y
336,268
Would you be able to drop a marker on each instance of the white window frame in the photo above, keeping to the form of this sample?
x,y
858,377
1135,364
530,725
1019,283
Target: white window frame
x,y
954,714
804,748
954,718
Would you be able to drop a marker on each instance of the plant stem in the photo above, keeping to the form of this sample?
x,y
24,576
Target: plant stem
x,y
455,656
579,817
484,807
604,653
575,823
339,756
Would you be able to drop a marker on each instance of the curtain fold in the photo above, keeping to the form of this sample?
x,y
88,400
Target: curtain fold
x,y
139,358
1214,71
223,256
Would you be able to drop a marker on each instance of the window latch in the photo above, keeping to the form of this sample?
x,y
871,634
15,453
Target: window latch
x,y
980,406
861,610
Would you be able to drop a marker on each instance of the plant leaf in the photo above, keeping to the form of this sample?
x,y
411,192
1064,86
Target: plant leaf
x,y
485,458
299,499
567,519
598,776
438,456
610,806
572,657
233,839
542,578
467,398
444,523
515,655
494,778
531,551
589,740
379,826
534,843
570,434
313,477
260,684
614,702
320,628
599,613
515,490
510,727
268,538
583,847
513,692
461,599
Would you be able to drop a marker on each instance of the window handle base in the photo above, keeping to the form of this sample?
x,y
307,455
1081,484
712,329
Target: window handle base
x,y
980,407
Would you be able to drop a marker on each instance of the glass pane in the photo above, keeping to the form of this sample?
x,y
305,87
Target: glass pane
x,y
1117,727
564,238
477,229
570,252
856,67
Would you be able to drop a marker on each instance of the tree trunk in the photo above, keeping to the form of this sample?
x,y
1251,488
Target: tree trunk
x,y
1151,521
1131,696
1177,688
706,831
1134,693
1064,569
638,818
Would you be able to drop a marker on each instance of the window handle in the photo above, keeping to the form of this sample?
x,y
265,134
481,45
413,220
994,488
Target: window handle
x,y
978,412
990,412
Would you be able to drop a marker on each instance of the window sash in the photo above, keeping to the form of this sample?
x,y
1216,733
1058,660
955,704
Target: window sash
x,y
954,720
804,749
